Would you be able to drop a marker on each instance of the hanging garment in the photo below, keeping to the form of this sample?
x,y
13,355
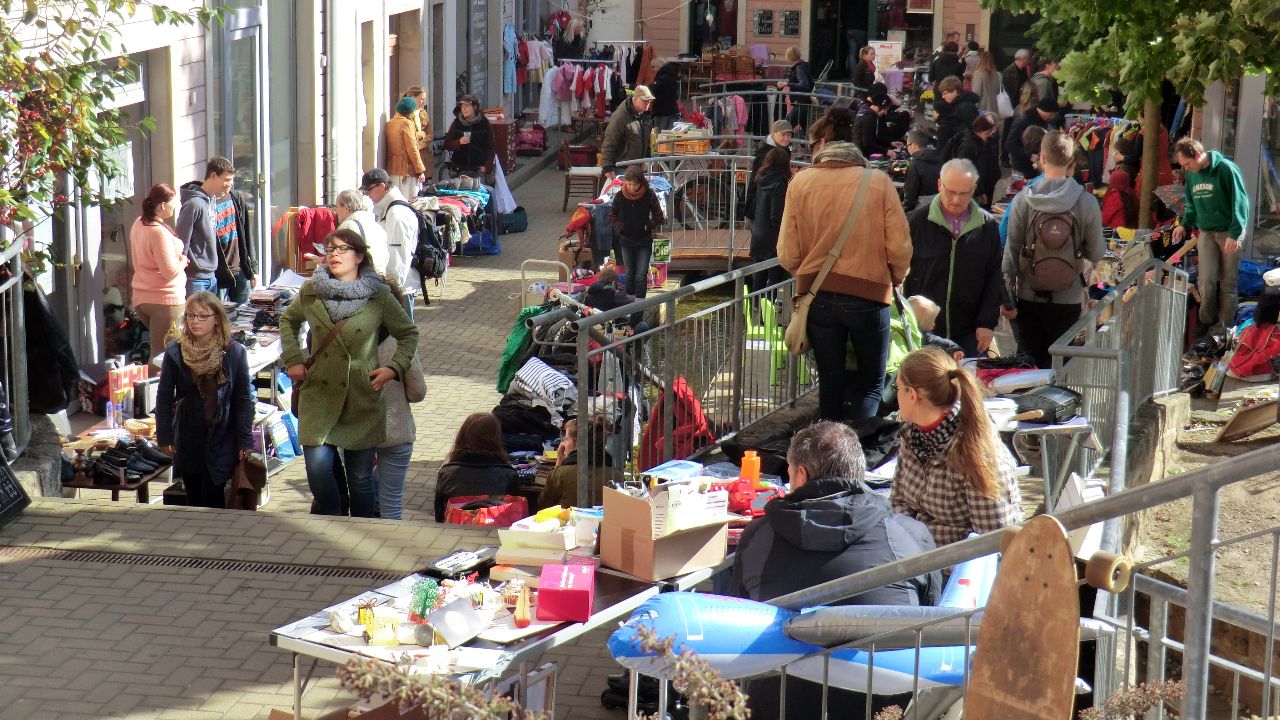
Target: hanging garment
x,y
509,50
522,62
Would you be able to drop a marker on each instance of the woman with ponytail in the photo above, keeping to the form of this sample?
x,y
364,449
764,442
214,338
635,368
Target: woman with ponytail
x,y
954,474
159,268
853,299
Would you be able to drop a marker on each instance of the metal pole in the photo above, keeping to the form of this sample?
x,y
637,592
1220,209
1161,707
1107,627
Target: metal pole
x,y
738,337
669,380
584,400
1157,630
1199,621
1119,450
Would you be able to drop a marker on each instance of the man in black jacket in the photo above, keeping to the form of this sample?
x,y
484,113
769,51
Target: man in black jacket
x,y
1013,78
955,259
666,92
922,172
1043,115
830,525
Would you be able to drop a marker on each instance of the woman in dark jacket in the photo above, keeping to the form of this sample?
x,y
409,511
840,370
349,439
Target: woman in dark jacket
x,y
204,405
771,196
470,139
979,145
956,109
864,74
635,214
947,65
666,89
477,465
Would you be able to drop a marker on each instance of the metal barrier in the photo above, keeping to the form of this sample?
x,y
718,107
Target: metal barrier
x,y
13,346
1139,642
762,107
720,339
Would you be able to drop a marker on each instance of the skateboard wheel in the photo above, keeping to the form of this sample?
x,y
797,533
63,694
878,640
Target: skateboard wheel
x,y
1108,571
1006,537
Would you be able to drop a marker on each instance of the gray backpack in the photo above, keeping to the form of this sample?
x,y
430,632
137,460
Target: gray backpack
x,y
1050,260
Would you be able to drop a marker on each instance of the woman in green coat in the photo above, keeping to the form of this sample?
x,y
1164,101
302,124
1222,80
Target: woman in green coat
x,y
339,388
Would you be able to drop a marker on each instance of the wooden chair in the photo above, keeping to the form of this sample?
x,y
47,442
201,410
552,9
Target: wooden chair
x,y
744,67
721,68
579,181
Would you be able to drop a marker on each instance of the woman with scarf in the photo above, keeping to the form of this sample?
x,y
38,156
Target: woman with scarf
x,y
635,214
204,404
422,127
853,299
470,139
341,406
953,474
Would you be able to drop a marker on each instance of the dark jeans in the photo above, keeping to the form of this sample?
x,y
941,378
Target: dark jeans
x,y
324,486
202,493
768,278
240,293
635,258
833,320
1040,325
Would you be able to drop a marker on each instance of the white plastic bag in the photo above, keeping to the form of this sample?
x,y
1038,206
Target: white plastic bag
x,y
1004,106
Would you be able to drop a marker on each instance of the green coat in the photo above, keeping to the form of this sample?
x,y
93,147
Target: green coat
x,y
339,406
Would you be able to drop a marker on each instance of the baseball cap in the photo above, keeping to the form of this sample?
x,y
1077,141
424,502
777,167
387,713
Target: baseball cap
x,y
878,94
375,176
643,93
781,126
1048,105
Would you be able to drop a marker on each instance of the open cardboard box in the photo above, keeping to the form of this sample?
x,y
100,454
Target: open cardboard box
x,y
627,542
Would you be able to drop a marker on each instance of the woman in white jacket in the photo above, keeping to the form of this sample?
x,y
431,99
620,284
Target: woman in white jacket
x,y
355,212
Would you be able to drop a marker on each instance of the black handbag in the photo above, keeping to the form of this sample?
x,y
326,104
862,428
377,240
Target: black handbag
x,y
516,221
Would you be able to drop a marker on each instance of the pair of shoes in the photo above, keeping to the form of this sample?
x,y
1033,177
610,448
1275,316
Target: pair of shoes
x,y
129,458
149,451
108,471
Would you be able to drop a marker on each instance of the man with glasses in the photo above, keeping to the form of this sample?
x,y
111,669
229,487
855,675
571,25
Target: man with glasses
x,y
956,259
400,222
627,136
1048,303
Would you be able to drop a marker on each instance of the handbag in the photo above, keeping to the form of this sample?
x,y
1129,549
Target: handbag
x,y
295,396
489,510
797,334
247,482
1004,106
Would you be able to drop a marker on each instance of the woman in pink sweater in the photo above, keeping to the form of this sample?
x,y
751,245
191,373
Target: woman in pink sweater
x,y
159,267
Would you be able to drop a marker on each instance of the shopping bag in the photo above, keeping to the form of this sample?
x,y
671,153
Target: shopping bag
x,y
1004,106
491,510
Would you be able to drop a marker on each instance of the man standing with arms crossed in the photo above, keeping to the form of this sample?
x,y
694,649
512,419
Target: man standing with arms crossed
x,y
1217,206
197,224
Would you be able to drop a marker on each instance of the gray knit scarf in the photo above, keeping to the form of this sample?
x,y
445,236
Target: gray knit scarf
x,y
840,151
344,299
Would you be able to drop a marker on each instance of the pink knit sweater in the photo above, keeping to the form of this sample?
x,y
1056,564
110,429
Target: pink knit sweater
x,y
159,277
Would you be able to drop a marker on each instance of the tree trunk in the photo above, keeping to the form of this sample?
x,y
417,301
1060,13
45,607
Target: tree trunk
x,y
1150,162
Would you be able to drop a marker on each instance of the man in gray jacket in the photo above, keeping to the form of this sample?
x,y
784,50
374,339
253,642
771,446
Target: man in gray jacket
x,y
1047,285
627,135
196,224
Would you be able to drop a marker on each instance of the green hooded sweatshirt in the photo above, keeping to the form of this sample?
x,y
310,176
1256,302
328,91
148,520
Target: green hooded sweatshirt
x,y
1216,198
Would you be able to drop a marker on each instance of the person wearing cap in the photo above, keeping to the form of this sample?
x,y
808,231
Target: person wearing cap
x,y
470,139
400,223
1013,78
780,135
871,129
1043,115
404,161
627,135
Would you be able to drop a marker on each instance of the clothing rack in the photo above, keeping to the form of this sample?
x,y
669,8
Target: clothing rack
x,y
619,42
585,61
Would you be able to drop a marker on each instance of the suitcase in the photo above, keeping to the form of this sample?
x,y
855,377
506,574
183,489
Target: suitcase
x,y
1049,404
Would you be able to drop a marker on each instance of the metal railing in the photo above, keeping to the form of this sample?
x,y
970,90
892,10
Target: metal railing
x,y
1143,640
13,346
762,107
717,337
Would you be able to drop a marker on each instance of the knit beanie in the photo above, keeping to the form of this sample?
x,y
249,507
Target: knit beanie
x,y
406,106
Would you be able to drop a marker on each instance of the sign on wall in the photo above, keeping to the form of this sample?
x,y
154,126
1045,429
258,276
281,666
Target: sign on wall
x,y
888,54
764,22
790,23
479,74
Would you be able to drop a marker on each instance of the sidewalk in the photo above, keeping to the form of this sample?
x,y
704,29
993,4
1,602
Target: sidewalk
x,y
149,613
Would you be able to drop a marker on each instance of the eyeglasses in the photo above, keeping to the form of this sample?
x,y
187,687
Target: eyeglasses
x,y
337,249
203,317
957,193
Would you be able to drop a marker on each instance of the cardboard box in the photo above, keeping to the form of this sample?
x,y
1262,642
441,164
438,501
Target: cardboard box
x,y
573,258
566,592
519,536
627,542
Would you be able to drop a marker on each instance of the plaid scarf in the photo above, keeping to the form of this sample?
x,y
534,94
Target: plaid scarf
x,y
927,444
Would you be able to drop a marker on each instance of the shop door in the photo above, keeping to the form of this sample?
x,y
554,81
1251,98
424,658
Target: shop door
x,y
244,127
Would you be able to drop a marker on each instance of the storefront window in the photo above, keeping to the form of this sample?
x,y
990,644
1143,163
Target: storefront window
x,y
713,23
282,68
909,22
1266,234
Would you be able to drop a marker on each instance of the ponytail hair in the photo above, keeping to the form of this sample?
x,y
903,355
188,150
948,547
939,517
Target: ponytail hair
x,y
941,382
159,194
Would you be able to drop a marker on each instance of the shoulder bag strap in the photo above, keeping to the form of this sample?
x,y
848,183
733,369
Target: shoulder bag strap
x,y
361,226
858,201
329,338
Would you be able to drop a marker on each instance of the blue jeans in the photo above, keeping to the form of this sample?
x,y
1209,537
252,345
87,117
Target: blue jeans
x,y
324,486
833,319
195,285
393,465
240,293
635,258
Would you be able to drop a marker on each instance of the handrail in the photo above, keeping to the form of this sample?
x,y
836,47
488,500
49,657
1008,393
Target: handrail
x,y
1209,478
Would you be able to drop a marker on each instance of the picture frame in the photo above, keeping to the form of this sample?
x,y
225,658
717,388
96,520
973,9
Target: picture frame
x,y
790,23
763,22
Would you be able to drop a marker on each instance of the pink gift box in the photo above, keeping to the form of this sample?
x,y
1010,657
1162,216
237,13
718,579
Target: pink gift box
x,y
566,592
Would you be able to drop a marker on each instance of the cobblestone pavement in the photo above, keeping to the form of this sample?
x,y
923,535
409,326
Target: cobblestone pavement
x,y
119,610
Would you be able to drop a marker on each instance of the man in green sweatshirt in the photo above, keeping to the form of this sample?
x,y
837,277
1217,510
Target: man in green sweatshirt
x,y
1217,206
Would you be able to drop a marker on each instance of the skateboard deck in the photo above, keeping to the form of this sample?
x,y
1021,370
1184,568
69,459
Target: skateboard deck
x,y
1024,667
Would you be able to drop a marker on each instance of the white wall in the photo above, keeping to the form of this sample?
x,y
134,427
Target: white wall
x,y
617,22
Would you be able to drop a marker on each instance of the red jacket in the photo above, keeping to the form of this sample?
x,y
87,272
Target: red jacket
x,y
1120,203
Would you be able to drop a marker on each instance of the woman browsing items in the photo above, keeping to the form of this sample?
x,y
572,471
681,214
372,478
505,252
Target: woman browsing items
x,y
159,268
477,464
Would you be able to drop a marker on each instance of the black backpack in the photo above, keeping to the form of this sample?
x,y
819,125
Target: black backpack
x,y
430,256
1050,261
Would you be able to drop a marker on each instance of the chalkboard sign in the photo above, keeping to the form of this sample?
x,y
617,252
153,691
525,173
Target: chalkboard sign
x,y
12,497
790,23
479,75
764,22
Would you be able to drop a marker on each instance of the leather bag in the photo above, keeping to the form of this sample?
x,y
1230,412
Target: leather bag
x,y
295,396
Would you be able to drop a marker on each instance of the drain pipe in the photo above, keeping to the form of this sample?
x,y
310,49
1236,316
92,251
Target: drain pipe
x,y
326,127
